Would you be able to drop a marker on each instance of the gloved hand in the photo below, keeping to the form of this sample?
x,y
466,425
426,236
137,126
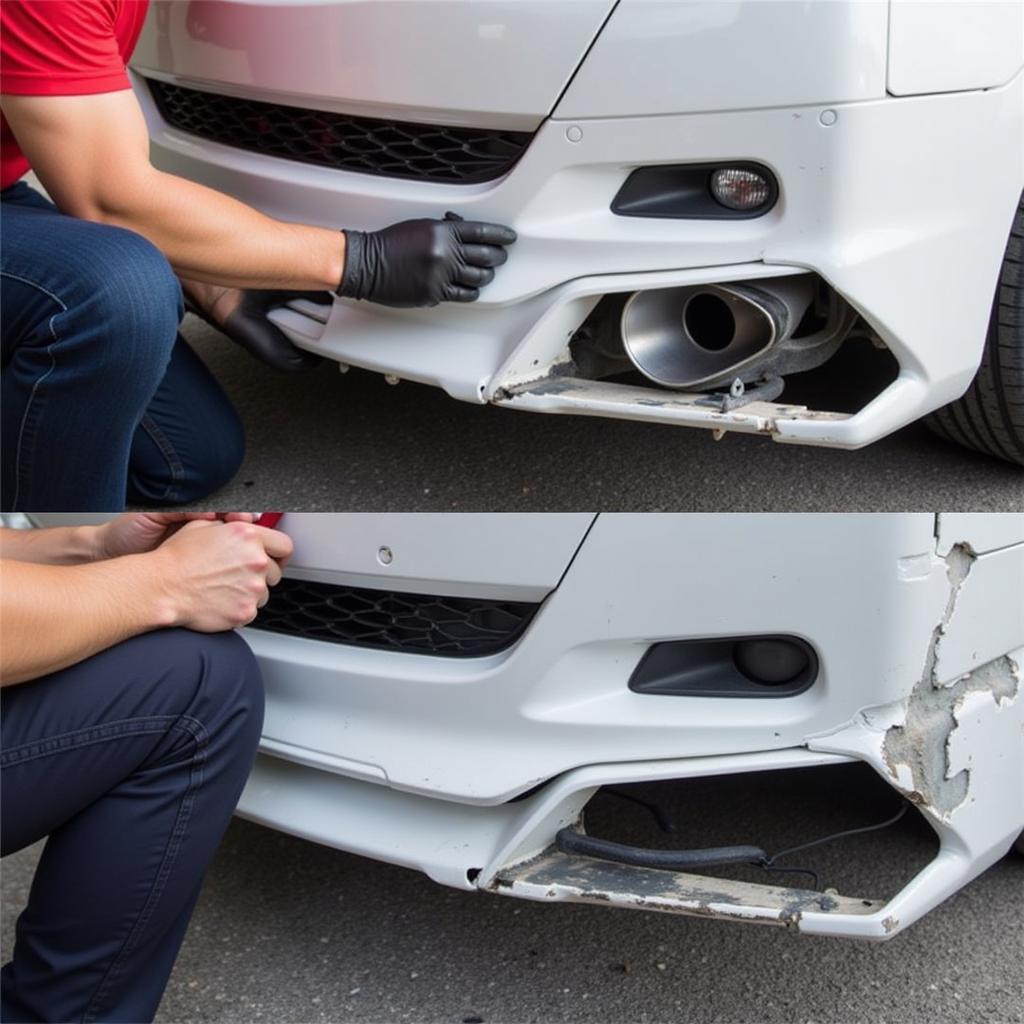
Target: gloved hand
x,y
423,262
247,325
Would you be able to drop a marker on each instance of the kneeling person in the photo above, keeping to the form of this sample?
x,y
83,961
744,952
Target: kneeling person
x,y
102,399
130,719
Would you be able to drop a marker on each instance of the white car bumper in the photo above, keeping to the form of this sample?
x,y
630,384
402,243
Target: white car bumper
x,y
903,205
465,768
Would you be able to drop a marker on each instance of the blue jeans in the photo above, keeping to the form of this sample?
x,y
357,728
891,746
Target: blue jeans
x,y
103,401
132,761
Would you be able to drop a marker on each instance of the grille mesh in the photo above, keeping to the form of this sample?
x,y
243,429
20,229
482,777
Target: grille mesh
x,y
394,149
388,620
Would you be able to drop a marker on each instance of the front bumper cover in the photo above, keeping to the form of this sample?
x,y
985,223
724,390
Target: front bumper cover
x,y
885,202
467,771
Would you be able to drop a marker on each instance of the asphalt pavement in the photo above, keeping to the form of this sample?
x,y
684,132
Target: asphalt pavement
x,y
289,931
323,441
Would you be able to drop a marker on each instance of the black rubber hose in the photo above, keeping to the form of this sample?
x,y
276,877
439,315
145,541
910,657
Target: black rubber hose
x,y
569,841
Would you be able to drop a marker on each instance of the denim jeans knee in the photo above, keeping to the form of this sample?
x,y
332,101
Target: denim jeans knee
x,y
92,386
218,673
135,296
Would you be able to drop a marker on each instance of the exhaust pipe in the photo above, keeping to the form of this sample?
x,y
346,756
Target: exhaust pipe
x,y
704,335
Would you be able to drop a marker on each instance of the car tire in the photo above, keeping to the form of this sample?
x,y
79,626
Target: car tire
x,y
990,416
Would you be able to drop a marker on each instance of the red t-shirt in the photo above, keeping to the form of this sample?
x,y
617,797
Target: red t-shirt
x,y
62,48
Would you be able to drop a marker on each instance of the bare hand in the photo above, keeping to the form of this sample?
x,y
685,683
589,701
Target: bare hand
x,y
217,575
134,533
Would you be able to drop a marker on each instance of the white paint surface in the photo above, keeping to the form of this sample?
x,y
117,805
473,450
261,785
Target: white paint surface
x,y
490,63
951,45
413,759
673,56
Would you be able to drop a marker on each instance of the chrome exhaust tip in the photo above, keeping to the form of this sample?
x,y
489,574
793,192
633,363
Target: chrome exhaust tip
x,y
704,335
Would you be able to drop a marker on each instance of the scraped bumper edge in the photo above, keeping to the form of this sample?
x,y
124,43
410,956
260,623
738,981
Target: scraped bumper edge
x,y
530,378
507,848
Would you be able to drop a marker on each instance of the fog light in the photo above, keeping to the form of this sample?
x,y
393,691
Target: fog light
x,y
770,661
740,189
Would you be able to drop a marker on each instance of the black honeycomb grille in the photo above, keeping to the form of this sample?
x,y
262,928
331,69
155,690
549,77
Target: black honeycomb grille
x,y
394,149
388,620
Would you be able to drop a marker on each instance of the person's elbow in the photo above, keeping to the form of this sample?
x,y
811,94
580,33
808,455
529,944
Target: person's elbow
x,y
119,199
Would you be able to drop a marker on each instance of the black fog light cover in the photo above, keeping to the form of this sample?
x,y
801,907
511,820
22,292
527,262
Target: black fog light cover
x,y
719,191
771,661
751,666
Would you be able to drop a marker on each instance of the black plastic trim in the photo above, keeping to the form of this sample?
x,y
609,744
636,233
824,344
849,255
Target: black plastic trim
x,y
434,624
707,668
453,154
683,192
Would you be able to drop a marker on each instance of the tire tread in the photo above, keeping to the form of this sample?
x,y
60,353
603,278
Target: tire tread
x,y
989,416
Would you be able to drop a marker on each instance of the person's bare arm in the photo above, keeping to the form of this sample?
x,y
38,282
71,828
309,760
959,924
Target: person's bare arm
x,y
58,545
56,615
209,576
130,533
91,154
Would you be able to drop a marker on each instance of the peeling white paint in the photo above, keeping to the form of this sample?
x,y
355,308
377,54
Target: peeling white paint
x,y
955,746
580,397
915,567
919,744
980,531
987,619
565,877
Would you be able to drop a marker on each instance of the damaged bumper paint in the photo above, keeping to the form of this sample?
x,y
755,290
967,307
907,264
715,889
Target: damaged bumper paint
x,y
556,876
887,244
466,769
620,401
954,746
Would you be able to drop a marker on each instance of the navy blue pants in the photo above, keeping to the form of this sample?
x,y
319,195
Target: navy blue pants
x,y
132,763
102,400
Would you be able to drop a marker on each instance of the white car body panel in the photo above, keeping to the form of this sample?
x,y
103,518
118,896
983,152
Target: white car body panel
x,y
417,759
985,533
403,59
950,45
891,200
591,632
457,553
670,56
466,767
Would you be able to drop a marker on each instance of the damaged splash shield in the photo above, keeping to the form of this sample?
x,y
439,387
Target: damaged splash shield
x,y
521,357
555,875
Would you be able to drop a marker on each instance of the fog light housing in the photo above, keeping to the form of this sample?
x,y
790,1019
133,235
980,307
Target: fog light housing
x,y
739,188
771,661
741,666
685,191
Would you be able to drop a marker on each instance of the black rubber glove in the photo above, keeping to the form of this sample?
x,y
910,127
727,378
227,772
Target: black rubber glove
x,y
423,262
248,326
